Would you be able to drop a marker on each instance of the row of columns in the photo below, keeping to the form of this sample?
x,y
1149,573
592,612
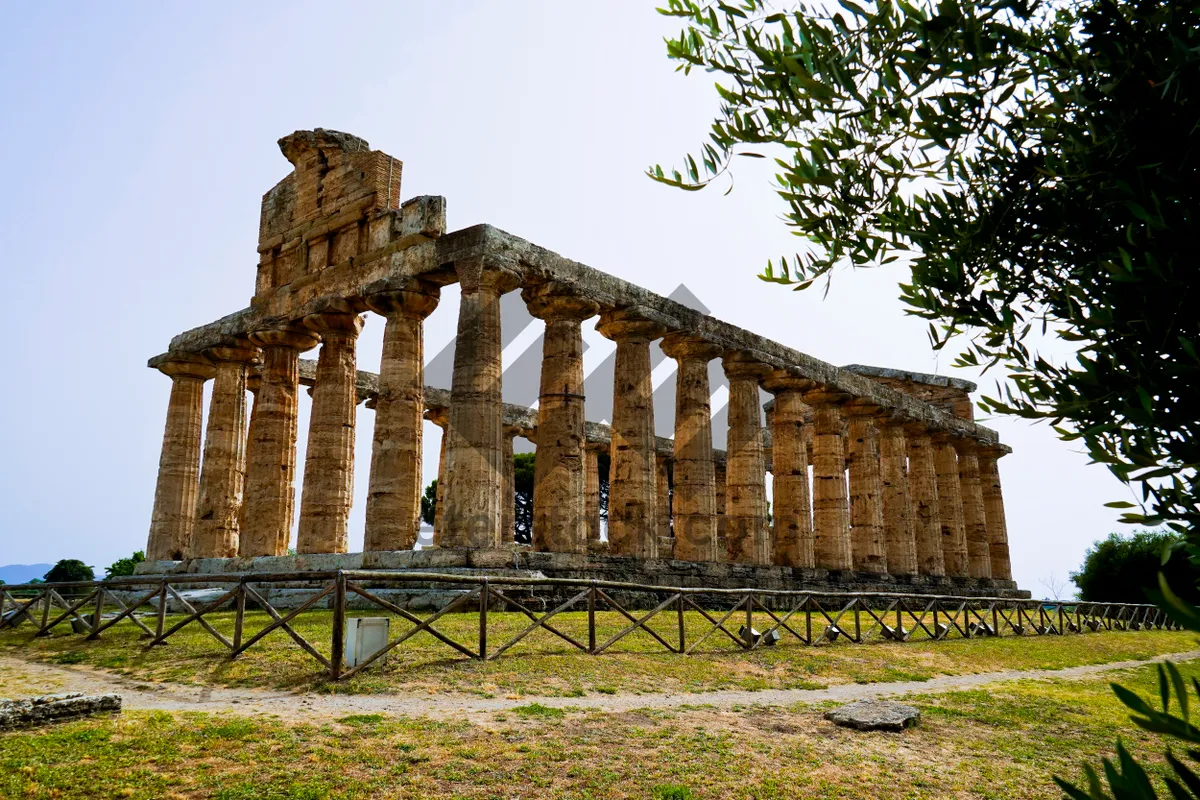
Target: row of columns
x,y
912,502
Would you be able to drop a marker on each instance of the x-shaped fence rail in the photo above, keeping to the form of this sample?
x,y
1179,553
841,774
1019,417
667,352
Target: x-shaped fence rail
x,y
811,618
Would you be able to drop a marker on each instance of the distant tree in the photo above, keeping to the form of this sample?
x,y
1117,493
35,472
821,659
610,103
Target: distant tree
x,y
429,503
125,566
70,569
523,489
1122,569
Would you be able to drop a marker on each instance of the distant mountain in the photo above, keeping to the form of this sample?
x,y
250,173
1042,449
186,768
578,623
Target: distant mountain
x,y
21,573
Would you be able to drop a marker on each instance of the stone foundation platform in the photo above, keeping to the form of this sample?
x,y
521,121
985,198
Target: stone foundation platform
x,y
524,563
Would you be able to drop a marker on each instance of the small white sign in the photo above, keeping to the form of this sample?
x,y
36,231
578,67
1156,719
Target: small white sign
x,y
365,636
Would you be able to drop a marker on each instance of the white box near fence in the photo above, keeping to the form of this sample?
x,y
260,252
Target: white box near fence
x,y
365,636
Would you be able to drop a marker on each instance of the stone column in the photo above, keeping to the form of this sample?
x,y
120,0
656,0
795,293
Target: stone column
x,y
899,531
746,471
394,493
508,518
174,514
591,490
831,522
719,489
224,468
271,465
560,521
441,418
974,517
473,506
926,506
662,511
329,462
695,502
792,512
950,507
993,504
868,541
253,384
634,512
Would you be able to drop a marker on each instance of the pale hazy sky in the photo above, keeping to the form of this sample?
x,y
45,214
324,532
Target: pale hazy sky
x,y
142,137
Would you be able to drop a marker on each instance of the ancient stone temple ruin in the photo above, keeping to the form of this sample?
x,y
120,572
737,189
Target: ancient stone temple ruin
x,y
880,477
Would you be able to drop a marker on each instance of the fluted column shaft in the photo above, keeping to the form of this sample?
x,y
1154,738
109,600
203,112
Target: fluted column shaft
x,y
663,508
394,492
591,458
271,458
898,526
329,461
993,503
746,537
831,523
950,507
792,510
508,516
633,493
560,520
474,476
974,516
441,418
868,541
695,502
224,468
927,516
174,515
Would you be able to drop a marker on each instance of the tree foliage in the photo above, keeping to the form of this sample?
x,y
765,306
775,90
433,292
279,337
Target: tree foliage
x,y
523,486
1124,569
69,570
1035,164
125,566
429,503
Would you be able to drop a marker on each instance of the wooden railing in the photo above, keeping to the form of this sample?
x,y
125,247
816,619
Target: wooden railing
x,y
811,618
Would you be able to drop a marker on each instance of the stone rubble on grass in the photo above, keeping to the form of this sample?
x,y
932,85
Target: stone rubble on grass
x,y
874,715
54,707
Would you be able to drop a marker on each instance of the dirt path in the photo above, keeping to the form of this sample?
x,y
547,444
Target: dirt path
x,y
31,677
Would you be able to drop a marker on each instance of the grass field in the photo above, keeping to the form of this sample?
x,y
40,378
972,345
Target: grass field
x,y
1003,742
542,664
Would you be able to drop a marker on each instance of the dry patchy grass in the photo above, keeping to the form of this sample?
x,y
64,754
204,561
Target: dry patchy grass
x,y
1005,742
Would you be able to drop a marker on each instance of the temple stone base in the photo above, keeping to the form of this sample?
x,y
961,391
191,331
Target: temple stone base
x,y
525,563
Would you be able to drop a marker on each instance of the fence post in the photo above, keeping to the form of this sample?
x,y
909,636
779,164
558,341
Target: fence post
x,y
592,619
483,622
98,612
857,620
749,641
239,619
161,622
679,606
46,608
337,646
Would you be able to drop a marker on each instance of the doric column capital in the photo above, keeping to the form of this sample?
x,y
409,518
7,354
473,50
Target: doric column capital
x,y
512,431
415,301
681,346
478,274
438,416
627,324
914,427
994,450
242,351
781,380
254,382
823,395
188,365
333,323
860,408
293,336
942,437
549,301
966,446
741,364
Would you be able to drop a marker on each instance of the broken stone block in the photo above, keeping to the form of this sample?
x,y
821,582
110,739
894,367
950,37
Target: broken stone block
x,y
874,715
53,708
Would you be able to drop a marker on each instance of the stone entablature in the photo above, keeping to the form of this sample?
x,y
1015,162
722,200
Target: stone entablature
x,y
899,471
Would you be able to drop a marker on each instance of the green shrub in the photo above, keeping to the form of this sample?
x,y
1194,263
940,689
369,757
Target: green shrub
x,y
1120,569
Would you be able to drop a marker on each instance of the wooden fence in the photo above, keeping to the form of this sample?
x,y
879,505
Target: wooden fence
x,y
811,618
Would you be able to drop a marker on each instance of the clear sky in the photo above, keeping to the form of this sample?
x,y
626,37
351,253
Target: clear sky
x,y
141,137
